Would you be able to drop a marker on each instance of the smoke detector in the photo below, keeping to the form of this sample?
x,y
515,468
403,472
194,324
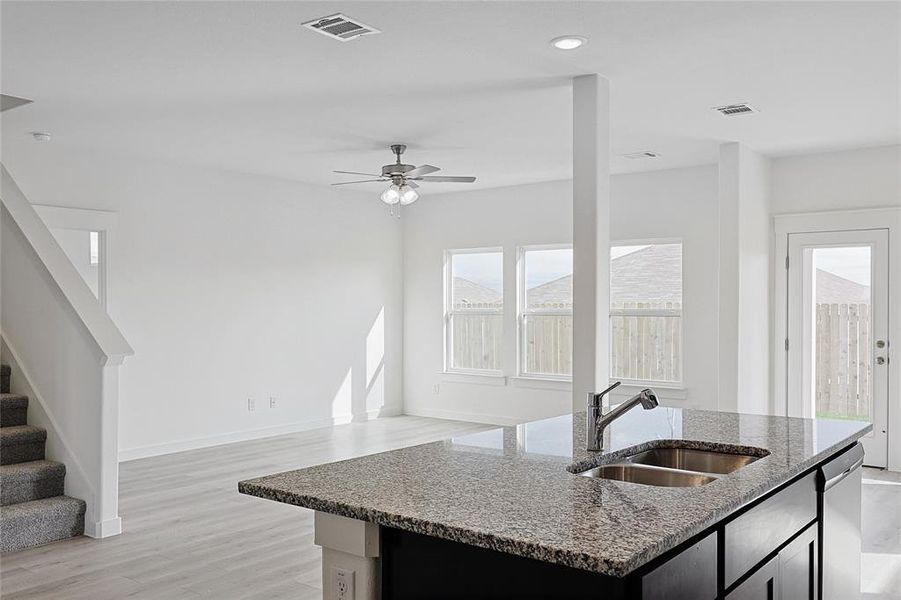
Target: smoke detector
x,y
340,27
641,155
733,110
41,136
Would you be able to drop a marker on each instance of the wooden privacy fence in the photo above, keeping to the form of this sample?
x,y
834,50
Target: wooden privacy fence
x,y
647,347
646,343
843,359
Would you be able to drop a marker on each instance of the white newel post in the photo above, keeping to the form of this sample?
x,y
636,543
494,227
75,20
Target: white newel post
x,y
350,546
591,236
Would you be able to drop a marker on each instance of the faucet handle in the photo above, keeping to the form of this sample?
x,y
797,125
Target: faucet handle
x,y
594,400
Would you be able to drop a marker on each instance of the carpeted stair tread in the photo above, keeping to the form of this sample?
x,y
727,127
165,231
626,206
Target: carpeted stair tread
x,y
24,482
21,443
13,400
13,409
40,521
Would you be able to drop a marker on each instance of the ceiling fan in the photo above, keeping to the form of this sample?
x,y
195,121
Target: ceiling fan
x,y
403,179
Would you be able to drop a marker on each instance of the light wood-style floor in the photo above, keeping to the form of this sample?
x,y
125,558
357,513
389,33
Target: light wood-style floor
x,y
189,534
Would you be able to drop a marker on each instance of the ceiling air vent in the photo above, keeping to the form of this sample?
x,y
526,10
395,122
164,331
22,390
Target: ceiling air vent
x,y
733,110
340,27
641,155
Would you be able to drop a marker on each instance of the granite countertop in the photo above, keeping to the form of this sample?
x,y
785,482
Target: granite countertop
x,y
510,489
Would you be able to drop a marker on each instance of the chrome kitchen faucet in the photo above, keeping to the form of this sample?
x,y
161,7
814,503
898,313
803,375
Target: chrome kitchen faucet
x,y
597,420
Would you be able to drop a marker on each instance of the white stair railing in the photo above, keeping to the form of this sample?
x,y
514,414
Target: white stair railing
x,y
69,351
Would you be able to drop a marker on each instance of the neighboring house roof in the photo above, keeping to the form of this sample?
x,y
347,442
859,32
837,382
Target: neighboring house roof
x,y
468,293
554,293
654,273
832,289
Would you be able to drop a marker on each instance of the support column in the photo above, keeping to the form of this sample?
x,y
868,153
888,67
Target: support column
x,y
746,239
591,236
349,548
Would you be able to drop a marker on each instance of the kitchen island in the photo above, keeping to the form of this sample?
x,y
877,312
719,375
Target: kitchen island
x,y
505,513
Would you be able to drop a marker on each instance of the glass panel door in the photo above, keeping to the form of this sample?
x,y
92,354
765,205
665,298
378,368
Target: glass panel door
x,y
838,322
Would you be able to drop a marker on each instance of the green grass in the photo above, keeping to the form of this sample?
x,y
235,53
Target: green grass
x,y
841,417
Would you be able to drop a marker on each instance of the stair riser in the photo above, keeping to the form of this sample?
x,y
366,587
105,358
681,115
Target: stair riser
x,y
36,530
16,490
17,453
11,417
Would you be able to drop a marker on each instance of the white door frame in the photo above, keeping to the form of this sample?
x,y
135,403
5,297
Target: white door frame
x,y
876,218
101,221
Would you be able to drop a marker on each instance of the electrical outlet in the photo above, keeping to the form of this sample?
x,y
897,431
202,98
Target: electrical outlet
x,y
251,404
436,389
343,580
272,401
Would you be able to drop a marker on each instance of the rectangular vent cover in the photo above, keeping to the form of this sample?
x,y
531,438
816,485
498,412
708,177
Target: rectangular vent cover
x,y
641,155
732,110
340,27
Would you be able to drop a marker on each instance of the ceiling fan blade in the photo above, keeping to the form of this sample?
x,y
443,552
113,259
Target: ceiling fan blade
x,y
421,170
412,184
357,173
363,181
447,179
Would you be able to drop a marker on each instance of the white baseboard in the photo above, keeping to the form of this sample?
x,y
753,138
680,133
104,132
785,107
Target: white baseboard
x,y
378,413
452,415
103,529
229,438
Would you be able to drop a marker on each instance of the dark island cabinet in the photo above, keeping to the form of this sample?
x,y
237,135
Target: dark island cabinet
x,y
790,575
766,550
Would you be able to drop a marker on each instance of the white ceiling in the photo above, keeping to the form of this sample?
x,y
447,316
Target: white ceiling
x,y
472,87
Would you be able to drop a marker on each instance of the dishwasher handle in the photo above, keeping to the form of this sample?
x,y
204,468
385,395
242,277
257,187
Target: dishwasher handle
x,y
840,467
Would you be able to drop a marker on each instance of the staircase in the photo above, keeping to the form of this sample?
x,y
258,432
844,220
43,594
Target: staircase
x,y
33,507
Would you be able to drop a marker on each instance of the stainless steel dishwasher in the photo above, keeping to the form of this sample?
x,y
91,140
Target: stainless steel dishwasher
x,y
839,488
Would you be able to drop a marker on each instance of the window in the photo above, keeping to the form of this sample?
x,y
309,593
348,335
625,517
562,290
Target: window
x,y
95,247
546,311
474,310
646,312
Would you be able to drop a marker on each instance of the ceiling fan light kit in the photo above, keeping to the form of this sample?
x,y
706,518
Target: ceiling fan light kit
x,y
402,179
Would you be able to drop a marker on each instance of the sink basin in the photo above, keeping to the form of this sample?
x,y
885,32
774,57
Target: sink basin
x,y
703,461
635,473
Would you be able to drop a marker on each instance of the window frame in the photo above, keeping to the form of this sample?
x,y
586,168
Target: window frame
x,y
645,312
449,310
522,311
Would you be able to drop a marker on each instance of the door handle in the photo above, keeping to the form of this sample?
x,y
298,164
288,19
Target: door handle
x,y
880,360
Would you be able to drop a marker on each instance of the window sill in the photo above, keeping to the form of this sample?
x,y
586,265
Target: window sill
x,y
479,378
542,383
665,391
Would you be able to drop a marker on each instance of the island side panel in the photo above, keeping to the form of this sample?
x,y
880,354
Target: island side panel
x,y
416,566
350,556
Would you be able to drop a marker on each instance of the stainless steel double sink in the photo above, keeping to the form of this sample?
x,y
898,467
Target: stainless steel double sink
x,y
674,466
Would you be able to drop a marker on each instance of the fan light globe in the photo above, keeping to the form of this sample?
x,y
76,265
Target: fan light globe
x,y
408,195
392,195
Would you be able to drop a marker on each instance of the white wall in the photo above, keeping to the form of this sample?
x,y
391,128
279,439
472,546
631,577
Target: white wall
x,y
865,178
76,243
231,287
508,217
663,204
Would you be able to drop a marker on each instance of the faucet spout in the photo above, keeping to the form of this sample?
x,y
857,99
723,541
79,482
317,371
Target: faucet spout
x,y
597,420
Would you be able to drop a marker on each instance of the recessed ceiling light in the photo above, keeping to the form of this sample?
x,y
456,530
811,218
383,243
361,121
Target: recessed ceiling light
x,y
41,136
568,42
